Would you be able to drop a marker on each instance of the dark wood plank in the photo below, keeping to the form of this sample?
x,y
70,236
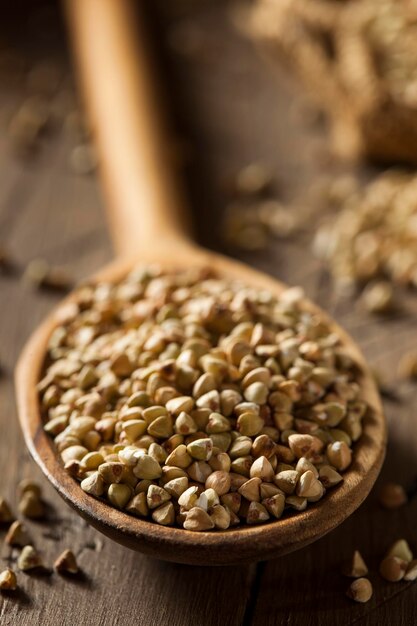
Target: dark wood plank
x,y
231,110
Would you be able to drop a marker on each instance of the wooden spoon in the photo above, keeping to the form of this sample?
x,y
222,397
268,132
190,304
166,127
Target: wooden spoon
x,y
147,222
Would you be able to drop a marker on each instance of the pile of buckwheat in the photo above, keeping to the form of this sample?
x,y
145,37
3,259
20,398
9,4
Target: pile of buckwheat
x,y
372,240
198,401
358,59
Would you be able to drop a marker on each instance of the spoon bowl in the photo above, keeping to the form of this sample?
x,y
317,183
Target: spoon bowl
x,y
215,548
147,222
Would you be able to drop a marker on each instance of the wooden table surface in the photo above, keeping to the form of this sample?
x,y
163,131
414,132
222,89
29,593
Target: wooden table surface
x,y
233,111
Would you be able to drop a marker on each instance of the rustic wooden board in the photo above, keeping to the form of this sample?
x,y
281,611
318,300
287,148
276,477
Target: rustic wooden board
x,y
232,111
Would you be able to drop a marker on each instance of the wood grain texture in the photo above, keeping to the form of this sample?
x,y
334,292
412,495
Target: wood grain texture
x,y
234,112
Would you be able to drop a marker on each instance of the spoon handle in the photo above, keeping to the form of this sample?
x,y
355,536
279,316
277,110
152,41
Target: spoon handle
x,y
145,203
